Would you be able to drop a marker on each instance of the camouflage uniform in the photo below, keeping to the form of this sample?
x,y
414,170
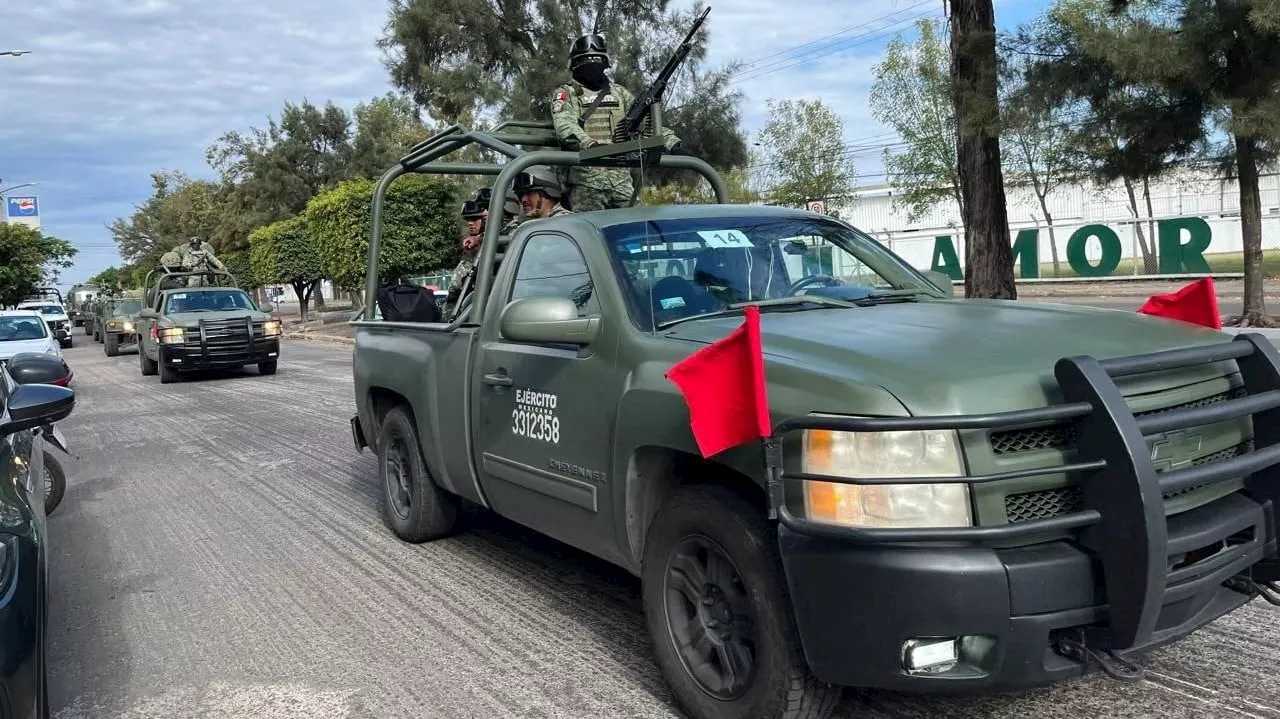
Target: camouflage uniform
x,y
195,262
581,121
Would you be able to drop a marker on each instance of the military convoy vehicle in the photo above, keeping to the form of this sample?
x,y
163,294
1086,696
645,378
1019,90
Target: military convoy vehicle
x,y
80,300
208,324
954,494
116,322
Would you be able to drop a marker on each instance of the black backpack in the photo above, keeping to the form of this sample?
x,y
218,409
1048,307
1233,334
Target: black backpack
x,y
408,303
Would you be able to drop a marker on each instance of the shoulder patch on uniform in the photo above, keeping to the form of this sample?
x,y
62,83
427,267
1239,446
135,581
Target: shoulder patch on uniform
x,y
558,102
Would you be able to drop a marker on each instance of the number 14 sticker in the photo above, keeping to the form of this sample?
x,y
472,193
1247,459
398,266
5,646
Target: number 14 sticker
x,y
725,238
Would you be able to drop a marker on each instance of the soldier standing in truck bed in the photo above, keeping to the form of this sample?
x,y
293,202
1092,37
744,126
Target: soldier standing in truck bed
x,y
585,111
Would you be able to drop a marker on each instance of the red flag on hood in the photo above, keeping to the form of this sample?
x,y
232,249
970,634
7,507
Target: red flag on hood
x,y
1196,303
723,384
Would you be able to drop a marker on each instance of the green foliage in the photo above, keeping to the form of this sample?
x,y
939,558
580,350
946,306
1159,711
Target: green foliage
x,y
238,265
912,94
420,231
107,279
461,60
178,208
804,153
283,252
31,259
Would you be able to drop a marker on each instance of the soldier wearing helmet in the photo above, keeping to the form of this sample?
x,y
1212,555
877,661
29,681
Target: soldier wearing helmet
x,y
540,193
196,256
585,111
474,214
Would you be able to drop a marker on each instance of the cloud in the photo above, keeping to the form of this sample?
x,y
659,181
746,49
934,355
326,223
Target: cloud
x,y
117,89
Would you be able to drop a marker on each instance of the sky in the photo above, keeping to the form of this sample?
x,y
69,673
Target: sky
x,y
114,90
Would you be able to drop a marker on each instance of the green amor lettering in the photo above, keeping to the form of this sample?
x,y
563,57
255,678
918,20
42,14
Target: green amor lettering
x,y
944,258
1175,255
1026,252
1079,241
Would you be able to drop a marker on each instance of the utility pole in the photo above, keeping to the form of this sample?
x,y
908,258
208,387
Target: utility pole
x,y
15,53
988,256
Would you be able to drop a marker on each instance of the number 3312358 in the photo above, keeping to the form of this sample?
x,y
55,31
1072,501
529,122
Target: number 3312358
x,y
535,425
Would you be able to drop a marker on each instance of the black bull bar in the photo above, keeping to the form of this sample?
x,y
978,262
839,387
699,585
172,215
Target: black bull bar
x,y
1122,520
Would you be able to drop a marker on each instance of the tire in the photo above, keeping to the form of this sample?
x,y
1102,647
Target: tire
x,y
68,343
88,329
55,484
169,375
749,600
112,345
431,513
268,367
148,366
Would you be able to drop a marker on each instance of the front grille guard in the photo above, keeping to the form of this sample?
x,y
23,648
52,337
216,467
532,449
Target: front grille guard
x,y
1124,521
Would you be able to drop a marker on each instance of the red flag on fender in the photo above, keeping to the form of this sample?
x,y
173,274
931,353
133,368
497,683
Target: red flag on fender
x,y
1196,303
723,384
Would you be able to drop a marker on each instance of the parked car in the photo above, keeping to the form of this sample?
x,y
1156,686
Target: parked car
x,y
24,410
55,316
27,331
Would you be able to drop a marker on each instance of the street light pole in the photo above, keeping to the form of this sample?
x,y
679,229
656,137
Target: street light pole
x,y
15,53
14,187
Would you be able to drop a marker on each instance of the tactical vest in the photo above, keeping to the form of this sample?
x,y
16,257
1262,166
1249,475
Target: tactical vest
x,y
599,125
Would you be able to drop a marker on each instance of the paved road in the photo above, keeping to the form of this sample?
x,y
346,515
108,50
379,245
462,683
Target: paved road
x,y
236,566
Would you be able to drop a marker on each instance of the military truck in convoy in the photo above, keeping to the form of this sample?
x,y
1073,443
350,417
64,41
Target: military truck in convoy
x,y
956,494
80,299
116,322
207,324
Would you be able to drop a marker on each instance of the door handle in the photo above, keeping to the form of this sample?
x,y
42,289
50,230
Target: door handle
x,y
498,379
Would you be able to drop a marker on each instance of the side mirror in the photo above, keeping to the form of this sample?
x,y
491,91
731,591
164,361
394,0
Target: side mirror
x,y
148,313
942,281
31,405
547,319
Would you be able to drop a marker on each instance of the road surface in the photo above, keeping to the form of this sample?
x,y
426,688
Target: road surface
x,y
220,554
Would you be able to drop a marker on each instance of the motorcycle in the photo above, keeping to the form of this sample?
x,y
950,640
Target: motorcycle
x,y
40,368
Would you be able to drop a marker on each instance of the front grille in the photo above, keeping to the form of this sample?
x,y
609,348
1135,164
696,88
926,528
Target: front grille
x,y
223,340
1058,436
1053,502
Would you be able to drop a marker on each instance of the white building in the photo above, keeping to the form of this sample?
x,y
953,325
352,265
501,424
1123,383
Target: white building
x,y
1194,197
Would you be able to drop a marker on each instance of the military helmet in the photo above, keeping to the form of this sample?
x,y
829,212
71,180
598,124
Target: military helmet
x,y
194,241
512,204
542,179
588,48
482,196
472,210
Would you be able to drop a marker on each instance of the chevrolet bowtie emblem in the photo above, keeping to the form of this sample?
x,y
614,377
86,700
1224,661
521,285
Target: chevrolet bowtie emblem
x,y
1180,444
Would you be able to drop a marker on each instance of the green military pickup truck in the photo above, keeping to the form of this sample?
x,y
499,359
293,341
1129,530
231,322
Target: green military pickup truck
x,y
956,494
214,325
116,323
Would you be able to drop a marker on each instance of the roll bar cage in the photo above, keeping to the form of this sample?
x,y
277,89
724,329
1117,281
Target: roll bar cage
x,y
425,158
153,290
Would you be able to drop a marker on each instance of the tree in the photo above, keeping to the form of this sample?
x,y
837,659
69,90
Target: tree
x,y
283,252
107,279
476,61
804,153
912,94
29,259
178,208
988,265
421,228
1127,128
1039,136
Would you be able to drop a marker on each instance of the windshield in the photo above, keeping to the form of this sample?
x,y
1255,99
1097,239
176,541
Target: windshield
x,y
680,269
127,307
207,301
16,329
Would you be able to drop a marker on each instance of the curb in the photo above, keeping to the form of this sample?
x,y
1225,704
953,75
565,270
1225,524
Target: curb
x,y
311,337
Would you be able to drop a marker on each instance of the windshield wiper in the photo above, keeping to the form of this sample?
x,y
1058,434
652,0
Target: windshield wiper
x,y
764,305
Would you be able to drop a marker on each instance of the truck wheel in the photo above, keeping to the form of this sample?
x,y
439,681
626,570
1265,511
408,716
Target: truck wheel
x,y
268,367
88,329
716,607
112,345
414,508
168,375
148,366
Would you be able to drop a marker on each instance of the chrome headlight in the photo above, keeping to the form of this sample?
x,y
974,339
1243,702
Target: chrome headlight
x,y
855,455
271,328
128,326
171,336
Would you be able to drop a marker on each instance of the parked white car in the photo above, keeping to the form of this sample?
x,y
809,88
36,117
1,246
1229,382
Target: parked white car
x,y
55,316
25,330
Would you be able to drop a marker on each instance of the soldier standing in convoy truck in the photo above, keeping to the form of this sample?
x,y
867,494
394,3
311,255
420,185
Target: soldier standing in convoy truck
x,y
585,111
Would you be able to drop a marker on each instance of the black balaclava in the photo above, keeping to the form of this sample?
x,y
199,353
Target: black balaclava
x,y
591,74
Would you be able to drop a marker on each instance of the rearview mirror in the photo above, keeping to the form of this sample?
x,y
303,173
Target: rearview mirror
x,y
148,313
547,319
942,281
31,405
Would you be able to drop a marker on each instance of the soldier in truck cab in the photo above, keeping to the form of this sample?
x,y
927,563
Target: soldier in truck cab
x,y
540,193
